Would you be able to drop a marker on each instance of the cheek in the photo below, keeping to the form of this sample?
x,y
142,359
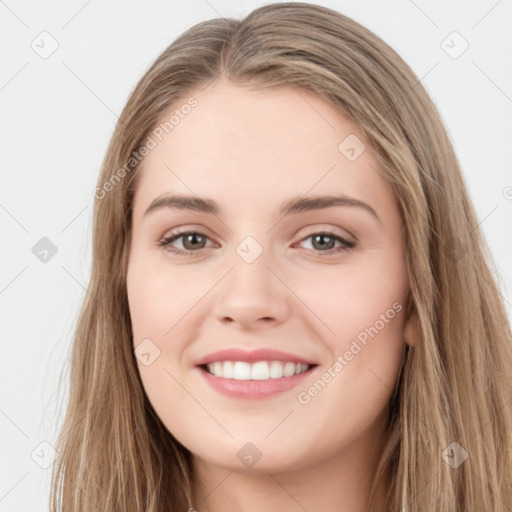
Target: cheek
x,y
161,305
158,304
362,308
351,299
160,299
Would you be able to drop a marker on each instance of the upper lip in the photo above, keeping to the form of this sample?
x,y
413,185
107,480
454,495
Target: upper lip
x,y
251,356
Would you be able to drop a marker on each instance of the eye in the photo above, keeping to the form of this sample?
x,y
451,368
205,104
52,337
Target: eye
x,y
323,242
193,241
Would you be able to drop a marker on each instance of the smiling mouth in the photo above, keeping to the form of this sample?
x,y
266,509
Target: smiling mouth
x,y
259,370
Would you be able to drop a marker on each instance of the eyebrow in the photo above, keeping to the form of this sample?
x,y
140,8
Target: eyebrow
x,y
291,206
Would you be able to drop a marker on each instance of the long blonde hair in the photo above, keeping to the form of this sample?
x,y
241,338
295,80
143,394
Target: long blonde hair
x,y
114,453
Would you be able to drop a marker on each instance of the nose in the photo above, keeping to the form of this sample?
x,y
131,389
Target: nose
x,y
252,295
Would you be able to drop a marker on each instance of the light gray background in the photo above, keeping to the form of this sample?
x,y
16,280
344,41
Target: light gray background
x,y
57,115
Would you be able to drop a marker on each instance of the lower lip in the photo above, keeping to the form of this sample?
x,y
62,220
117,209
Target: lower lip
x,y
253,389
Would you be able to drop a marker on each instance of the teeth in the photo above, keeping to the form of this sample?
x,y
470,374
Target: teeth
x,y
226,369
276,370
241,371
289,369
261,370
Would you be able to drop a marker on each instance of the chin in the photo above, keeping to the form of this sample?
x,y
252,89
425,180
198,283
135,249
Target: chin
x,y
246,453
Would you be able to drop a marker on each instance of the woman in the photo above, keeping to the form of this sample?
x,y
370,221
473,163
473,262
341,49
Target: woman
x,y
264,368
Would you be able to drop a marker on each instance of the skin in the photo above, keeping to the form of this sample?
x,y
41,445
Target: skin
x,y
250,151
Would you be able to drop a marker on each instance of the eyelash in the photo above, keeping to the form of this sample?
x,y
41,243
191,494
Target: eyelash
x,y
166,241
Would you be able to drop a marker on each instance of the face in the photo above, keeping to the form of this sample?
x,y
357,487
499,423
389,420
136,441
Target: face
x,y
326,283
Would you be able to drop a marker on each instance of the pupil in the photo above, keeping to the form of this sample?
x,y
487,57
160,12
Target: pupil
x,y
192,238
318,237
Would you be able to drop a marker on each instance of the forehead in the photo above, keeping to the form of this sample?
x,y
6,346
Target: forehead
x,y
244,145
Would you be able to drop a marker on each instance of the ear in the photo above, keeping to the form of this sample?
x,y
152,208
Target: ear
x,y
412,324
